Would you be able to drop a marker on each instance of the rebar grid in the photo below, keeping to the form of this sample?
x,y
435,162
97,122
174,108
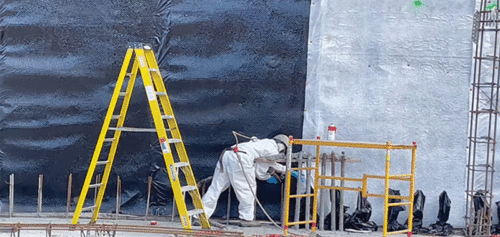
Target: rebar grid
x,y
483,114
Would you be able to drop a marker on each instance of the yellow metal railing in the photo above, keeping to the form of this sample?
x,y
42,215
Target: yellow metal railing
x,y
387,177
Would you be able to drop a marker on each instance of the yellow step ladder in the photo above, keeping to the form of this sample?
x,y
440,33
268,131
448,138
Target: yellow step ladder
x,y
161,110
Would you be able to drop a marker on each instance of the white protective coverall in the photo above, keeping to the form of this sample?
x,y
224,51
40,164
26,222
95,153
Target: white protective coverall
x,y
262,168
231,174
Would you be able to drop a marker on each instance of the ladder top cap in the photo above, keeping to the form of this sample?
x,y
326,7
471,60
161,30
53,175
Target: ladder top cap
x,y
137,45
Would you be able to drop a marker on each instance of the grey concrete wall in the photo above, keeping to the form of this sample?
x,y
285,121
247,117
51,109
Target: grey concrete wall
x,y
391,71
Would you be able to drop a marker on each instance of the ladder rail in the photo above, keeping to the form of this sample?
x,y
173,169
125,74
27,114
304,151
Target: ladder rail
x,y
102,136
114,145
167,107
162,136
175,131
172,123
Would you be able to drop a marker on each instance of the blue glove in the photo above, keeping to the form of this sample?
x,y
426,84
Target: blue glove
x,y
272,180
295,174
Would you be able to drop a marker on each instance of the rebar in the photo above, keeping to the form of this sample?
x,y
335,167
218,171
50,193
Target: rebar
x,y
150,181
111,229
483,114
68,201
118,196
11,195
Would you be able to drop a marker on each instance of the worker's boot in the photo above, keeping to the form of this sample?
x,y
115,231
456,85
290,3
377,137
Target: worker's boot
x,y
245,223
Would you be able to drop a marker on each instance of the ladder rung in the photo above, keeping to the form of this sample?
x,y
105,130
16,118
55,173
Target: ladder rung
x,y
128,74
102,162
153,70
398,204
195,212
95,185
109,139
181,164
174,140
161,93
88,208
122,94
129,129
188,188
167,117
115,117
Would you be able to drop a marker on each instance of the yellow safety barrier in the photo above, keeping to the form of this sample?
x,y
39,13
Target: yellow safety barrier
x,y
387,177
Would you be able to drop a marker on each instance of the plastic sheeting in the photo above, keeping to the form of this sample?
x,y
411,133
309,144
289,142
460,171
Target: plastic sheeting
x,y
391,71
228,65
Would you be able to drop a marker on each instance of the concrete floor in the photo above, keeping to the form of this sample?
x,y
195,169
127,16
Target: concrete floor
x,y
265,229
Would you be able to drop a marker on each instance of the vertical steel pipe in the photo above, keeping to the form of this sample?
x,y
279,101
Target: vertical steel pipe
x,y
342,174
11,195
299,187
322,193
40,194
333,196
308,191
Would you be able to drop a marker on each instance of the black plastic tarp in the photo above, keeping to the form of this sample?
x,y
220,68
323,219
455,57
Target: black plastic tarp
x,y
228,65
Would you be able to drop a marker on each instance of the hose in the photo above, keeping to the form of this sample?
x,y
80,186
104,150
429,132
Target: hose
x,y
235,134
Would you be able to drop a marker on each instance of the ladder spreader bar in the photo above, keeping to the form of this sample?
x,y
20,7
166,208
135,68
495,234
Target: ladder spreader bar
x,y
129,129
188,188
181,164
88,208
195,212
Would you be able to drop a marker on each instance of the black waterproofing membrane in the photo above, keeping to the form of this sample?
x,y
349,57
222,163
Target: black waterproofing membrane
x,y
360,218
418,212
328,218
442,228
236,65
495,229
392,218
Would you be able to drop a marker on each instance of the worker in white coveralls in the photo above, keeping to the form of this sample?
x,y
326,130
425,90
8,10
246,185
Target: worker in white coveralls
x,y
238,162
